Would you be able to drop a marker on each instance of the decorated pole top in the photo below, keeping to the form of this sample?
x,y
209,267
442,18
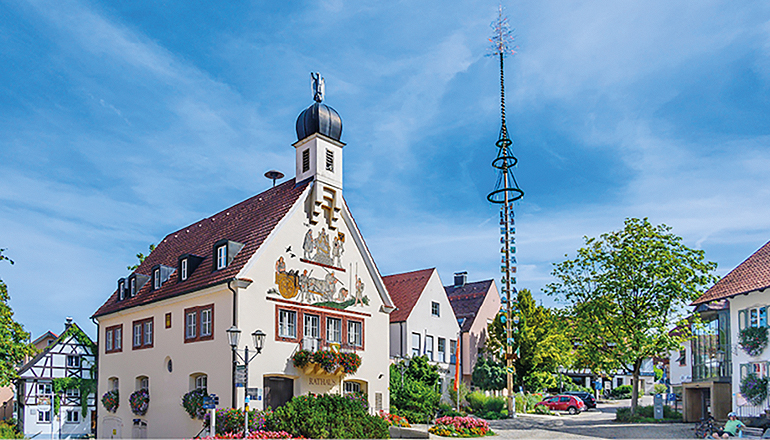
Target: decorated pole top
x,y
502,37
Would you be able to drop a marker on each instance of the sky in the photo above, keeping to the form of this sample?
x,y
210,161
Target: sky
x,y
123,121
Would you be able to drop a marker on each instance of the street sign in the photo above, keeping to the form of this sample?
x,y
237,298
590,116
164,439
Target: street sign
x,y
240,376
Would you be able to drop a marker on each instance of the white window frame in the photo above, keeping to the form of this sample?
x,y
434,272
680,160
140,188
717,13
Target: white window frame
x,y
108,339
351,387
333,330
73,416
206,321
118,338
287,323
73,392
416,344
191,325
148,333
453,350
429,347
201,382
156,279
311,332
73,361
441,349
44,389
44,416
138,334
183,269
133,286
222,257
435,309
122,290
355,336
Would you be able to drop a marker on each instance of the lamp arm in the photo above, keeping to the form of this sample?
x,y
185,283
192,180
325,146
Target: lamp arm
x,y
251,358
235,350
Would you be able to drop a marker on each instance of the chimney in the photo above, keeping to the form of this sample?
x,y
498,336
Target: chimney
x,y
461,278
68,322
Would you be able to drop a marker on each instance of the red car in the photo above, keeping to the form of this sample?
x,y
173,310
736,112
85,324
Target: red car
x,y
571,404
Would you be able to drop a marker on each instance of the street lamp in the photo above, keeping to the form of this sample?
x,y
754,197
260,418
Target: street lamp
x,y
234,336
402,362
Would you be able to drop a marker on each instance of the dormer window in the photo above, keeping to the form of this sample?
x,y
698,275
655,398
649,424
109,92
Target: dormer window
x,y
135,283
183,268
189,262
121,289
224,253
156,279
221,257
133,287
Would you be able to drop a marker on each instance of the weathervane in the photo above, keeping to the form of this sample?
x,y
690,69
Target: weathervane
x,y
319,87
506,192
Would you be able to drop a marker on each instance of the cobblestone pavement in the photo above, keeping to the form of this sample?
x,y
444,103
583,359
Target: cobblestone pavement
x,y
596,423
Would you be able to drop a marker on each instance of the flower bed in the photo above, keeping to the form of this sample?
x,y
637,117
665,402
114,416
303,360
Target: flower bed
x,y
460,427
394,420
253,434
753,340
111,400
140,401
231,420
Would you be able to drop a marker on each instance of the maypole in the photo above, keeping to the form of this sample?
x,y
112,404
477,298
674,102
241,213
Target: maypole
x,y
506,192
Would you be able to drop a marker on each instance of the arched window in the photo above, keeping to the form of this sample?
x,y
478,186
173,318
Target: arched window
x,y
113,384
142,383
199,381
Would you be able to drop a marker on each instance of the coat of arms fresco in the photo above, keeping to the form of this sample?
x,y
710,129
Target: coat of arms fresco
x,y
323,284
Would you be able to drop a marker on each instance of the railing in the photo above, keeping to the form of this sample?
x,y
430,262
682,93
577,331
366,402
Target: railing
x,y
318,344
751,410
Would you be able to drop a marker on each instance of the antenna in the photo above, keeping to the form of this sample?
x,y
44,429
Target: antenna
x,y
505,193
274,175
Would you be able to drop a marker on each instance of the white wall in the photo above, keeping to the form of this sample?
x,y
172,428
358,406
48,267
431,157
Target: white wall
x,y
739,356
680,374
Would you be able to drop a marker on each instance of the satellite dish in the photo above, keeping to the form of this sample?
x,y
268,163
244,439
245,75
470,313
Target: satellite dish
x,y
274,175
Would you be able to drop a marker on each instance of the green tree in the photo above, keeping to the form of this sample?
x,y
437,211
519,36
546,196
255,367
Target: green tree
x,y
489,374
141,257
539,339
625,290
416,397
13,338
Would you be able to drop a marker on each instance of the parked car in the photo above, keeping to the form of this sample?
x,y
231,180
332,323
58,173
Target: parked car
x,y
585,396
563,402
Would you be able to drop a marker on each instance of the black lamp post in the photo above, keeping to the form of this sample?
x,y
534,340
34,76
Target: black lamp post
x,y
234,336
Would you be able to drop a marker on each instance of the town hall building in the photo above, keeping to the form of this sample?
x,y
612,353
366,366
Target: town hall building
x,y
288,266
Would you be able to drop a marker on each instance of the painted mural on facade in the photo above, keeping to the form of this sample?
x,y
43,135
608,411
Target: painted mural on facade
x,y
323,280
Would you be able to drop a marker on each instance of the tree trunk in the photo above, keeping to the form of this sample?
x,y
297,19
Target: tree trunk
x,y
635,386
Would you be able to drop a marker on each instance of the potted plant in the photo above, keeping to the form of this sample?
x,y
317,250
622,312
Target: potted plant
x,y
754,388
110,400
753,340
349,362
326,359
140,401
301,358
193,403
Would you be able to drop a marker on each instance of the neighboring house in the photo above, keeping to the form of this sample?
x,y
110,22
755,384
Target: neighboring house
x,y
423,323
746,290
646,378
64,365
289,261
475,305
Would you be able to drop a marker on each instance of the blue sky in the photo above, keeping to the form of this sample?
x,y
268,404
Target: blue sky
x,y
123,121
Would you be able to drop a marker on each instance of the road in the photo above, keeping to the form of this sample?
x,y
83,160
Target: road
x,y
596,423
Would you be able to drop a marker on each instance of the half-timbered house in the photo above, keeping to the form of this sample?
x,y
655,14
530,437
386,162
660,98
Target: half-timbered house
x,y
55,390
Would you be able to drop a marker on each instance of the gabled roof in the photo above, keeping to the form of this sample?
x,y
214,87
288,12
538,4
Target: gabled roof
x,y
753,274
66,334
466,301
405,289
48,334
249,222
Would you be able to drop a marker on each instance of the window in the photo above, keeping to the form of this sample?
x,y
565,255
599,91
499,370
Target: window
x,y
44,389
73,361
122,290
156,279
306,161
168,320
44,416
133,286
682,358
73,392
441,350
333,330
287,323
429,347
415,344
312,333
205,322
183,269
73,416
352,387
435,309
143,333
329,160
759,368
354,334
452,351
620,381
201,382
144,383
114,383
108,341
221,257
199,323
118,338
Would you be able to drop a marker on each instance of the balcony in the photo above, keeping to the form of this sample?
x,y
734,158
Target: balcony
x,y
315,357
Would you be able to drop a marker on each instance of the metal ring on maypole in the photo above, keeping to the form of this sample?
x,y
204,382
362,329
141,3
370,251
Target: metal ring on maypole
x,y
514,194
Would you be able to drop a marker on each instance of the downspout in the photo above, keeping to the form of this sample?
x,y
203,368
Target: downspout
x,y
96,388
234,394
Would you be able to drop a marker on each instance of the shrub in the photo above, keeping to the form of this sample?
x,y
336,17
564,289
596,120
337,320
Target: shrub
x,y
646,414
326,416
658,388
111,400
447,410
539,381
476,401
394,420
8,429
417,398
542,409
621,392
193,403
231,420
526,402
460,427
453,394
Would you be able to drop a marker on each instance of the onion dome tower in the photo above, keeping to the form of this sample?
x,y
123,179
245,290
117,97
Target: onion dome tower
x,y
319,155
505,193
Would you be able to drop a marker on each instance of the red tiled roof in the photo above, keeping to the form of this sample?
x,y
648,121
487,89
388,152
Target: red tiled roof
x,y
405,289
752,274
248,222
466,301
